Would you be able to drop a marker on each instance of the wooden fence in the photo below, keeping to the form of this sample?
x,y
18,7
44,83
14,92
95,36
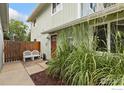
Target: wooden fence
x,y
13,50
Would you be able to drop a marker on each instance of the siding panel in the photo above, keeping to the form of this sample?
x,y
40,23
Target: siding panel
x,y
45,22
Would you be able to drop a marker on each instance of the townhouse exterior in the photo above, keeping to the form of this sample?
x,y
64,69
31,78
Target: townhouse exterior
x,y
4,17
47,19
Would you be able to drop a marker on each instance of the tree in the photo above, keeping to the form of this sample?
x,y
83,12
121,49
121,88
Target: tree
x,y
29,36
17,31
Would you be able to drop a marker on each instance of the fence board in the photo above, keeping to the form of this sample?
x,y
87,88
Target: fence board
x,y
13,50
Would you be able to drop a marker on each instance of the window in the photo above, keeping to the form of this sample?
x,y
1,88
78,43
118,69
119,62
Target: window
x,y
100,36
93,6
56,7
117,36
108,4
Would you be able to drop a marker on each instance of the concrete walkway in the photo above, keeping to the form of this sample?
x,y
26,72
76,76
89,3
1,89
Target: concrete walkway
x,y
17,73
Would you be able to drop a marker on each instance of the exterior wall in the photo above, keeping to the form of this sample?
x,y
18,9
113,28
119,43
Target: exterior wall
x,y
85,9
46,21
1,45
99,7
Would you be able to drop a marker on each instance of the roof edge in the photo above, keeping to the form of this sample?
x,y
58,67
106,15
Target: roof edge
x,y
36,11
5,16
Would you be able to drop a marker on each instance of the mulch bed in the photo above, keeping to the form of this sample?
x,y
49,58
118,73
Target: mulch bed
x,y
42,78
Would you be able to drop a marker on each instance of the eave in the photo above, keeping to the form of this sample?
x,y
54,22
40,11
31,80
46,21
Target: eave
x,y
4,13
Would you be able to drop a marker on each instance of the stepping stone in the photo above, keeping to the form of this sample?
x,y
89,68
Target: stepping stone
x,y
44,65
34,69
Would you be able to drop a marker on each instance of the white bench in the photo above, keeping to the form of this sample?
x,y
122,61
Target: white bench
x,y
29,54
35,53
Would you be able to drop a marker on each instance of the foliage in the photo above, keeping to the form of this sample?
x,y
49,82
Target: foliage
x,y
17,31
80,65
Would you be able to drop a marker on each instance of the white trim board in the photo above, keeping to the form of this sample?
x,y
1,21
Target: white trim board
x,y
79,10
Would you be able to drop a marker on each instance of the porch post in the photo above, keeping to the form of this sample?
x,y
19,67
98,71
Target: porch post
x,y
108,37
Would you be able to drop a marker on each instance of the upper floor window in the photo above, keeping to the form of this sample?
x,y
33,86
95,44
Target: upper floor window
x,y
93,6
56,7
108,4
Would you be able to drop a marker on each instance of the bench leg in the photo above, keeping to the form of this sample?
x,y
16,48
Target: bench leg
x,y
33,58
24,59
39,57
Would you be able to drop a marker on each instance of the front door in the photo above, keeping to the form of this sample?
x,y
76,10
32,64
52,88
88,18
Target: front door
x,y
53,45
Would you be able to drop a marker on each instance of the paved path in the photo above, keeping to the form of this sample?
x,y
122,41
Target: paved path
x,y
17,73
35,66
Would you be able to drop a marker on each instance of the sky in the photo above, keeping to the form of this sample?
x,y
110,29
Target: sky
x,y
21,11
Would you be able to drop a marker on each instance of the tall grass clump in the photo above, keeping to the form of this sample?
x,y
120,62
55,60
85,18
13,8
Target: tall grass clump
x,y
80,65
55,64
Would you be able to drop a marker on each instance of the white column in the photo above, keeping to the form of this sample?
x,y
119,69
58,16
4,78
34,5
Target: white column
x,y
79,10
108,37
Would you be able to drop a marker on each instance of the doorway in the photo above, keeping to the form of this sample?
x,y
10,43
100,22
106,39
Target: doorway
x,y
53,45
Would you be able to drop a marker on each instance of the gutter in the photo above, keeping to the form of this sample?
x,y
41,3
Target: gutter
x,y
113,9
4,13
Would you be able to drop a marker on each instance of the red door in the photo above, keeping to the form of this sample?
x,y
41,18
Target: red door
x,y
53,45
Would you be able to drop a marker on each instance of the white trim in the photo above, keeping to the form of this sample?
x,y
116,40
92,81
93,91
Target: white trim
x,y
53,34
108,37
97,24
58,10
79,10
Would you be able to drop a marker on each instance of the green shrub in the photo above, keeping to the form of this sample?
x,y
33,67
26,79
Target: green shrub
x,y
79,65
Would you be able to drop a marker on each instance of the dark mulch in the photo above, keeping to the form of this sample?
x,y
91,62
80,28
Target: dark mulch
x,y
42,78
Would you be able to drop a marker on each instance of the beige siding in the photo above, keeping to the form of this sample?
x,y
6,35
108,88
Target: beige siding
x,y
46,21
69,13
